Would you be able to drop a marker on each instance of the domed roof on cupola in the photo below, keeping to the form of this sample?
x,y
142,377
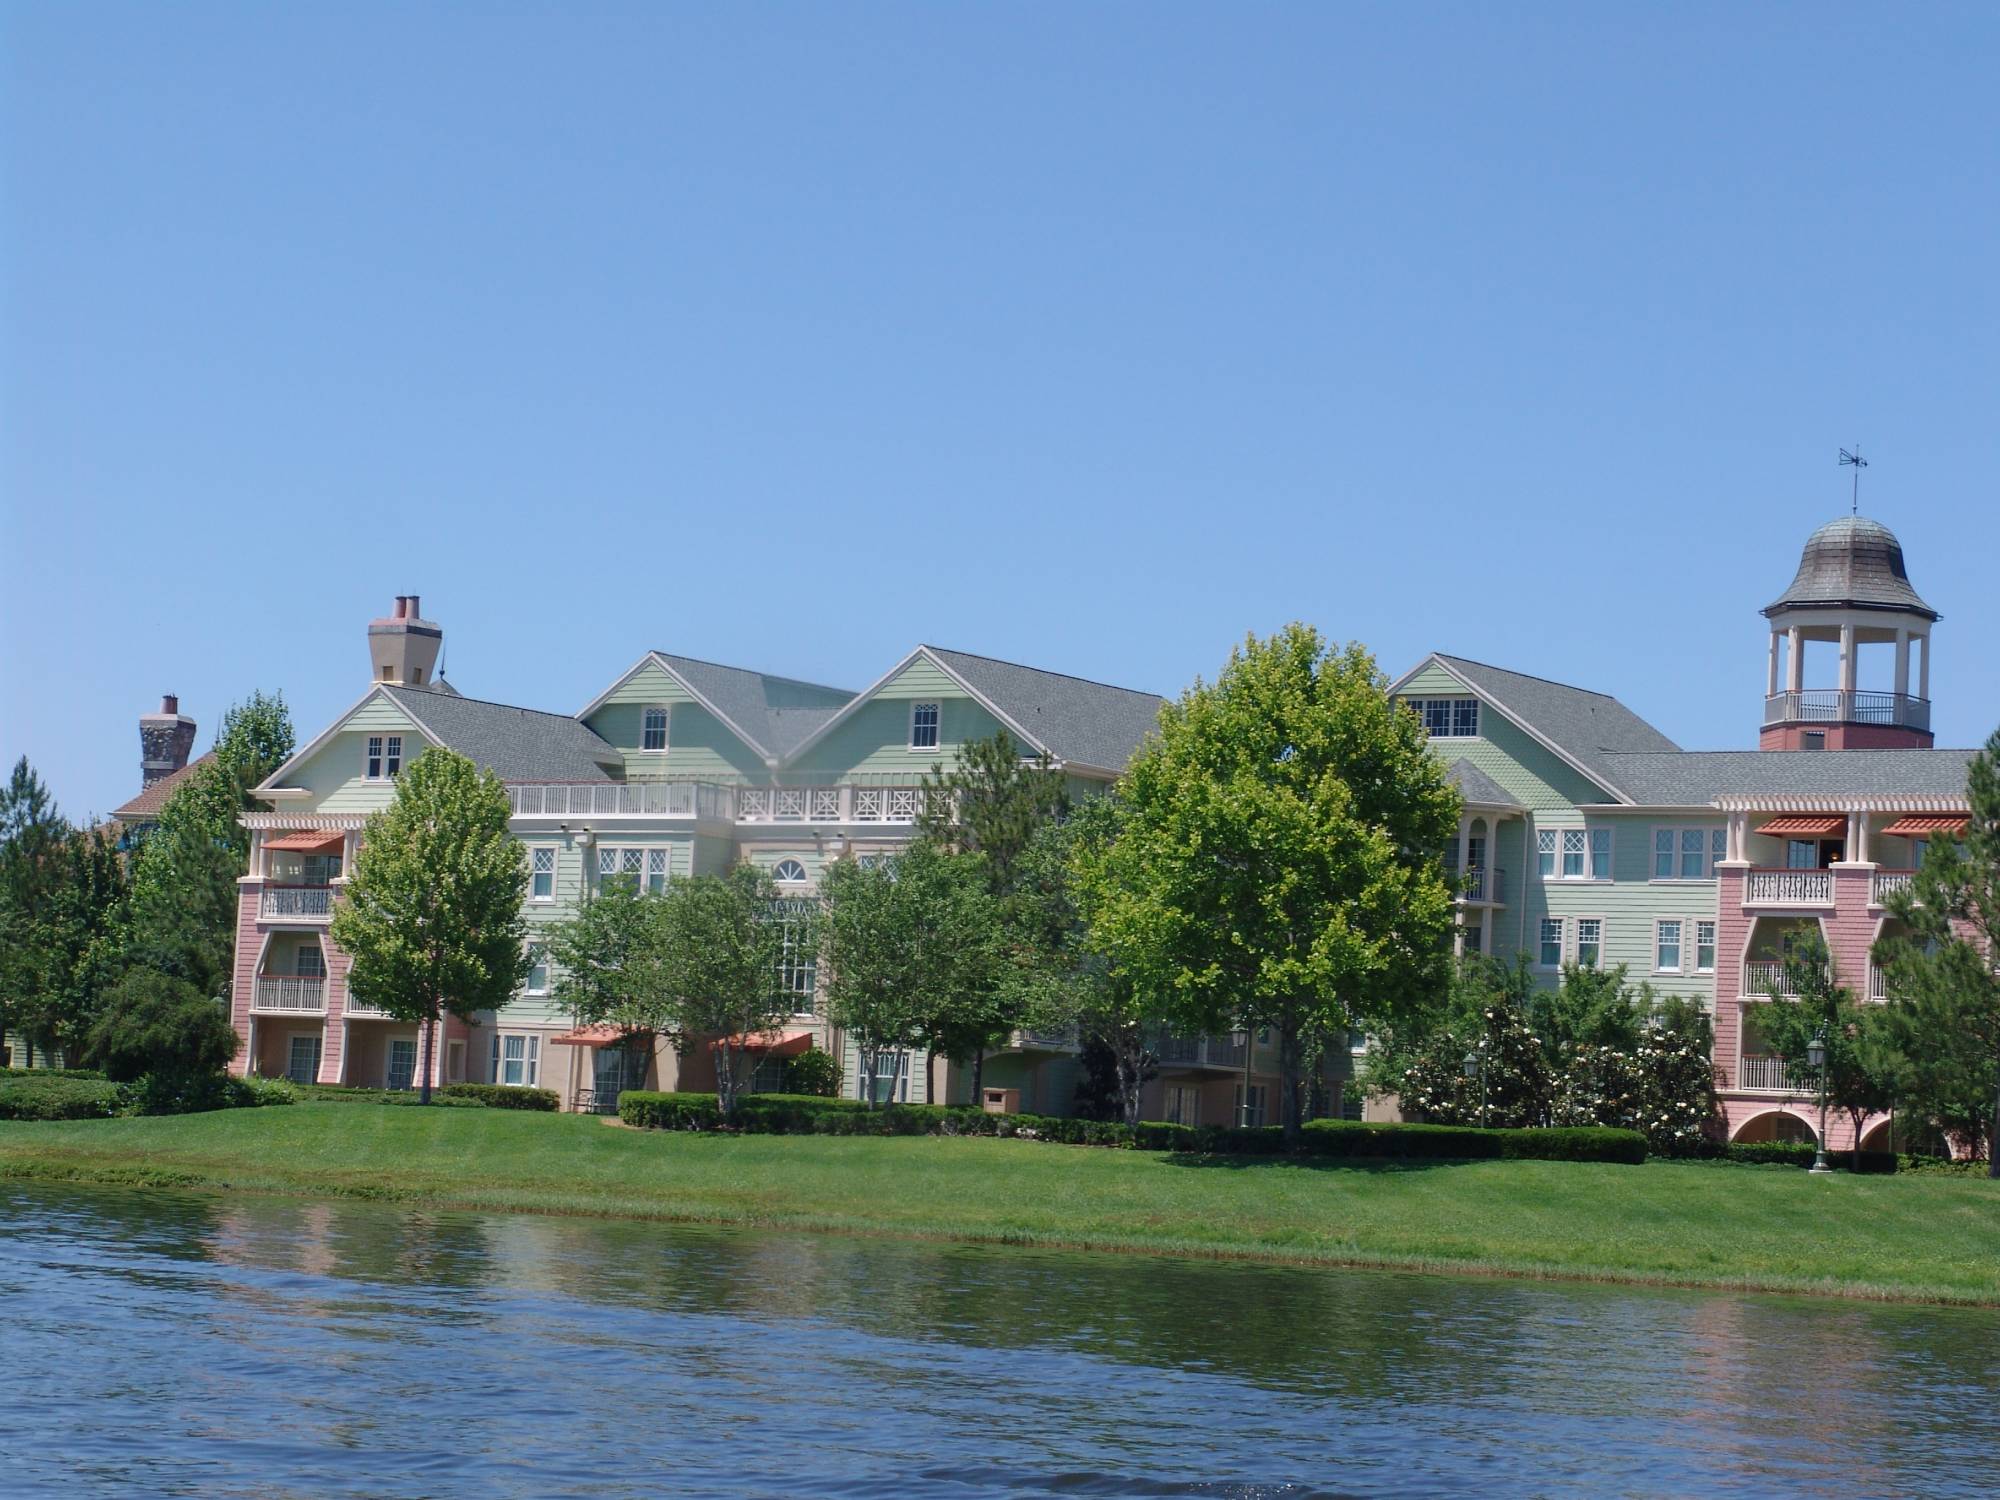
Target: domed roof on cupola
x,y
1852,563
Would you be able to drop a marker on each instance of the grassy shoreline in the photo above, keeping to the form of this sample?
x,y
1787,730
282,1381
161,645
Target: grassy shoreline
x,y
1924,1239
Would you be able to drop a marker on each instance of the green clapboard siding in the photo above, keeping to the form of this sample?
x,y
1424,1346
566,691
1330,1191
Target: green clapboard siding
x,y
1532,775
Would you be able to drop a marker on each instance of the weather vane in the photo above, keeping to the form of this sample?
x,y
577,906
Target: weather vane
x,y
1856,462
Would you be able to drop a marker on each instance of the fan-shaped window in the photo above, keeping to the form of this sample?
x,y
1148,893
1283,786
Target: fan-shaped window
x,y
788,872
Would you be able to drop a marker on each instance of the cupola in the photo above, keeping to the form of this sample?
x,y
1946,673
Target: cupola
x,y
1852,591
403,647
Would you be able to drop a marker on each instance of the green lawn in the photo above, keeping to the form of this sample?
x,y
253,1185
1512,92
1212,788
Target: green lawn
x,y
1922,1237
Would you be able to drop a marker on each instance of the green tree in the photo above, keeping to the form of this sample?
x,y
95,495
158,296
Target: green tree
x,y
1509,1084
913,955
1808,1002
1476,984
1943,973
60,950
159,1027
181,917
603,959
432,916
1282,860
32,832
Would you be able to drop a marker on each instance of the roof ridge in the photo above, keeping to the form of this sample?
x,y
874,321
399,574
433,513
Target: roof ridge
x,y
1569,687
702,661
1830,754
1001,661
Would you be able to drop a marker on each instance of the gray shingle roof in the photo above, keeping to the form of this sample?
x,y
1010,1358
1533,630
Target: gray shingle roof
x,y
1694,778
776,712
1852,562
1474,785
1591,727
1090,723
516,744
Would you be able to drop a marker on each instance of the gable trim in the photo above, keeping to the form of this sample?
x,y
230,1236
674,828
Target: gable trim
x,y
653,658
270,787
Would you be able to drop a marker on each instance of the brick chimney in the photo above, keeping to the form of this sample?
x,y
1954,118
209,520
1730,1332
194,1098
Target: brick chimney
x,y
165,738
403,647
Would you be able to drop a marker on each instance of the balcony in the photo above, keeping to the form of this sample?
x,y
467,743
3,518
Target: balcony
x,y
1202,1051
1886,881
1766,1074
829,804
296,903
357,1011
1840,706
1763,975
1484,887
1030,1039
287,994
1788,888
702,800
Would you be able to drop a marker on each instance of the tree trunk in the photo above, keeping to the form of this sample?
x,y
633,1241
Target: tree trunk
x,y
930,1077
1131,1065
1289,1051
979,1074
430,1041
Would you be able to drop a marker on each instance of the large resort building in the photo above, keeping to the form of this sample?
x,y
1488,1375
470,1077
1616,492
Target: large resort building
x,y
1588,837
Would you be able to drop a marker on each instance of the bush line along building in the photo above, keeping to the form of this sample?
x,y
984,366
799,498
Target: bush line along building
x,y
1588,836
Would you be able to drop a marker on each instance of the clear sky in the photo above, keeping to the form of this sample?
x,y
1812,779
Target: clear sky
x,y
1091,336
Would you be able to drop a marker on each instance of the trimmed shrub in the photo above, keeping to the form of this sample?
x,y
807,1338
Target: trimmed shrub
x,y
501,1096
344,1093
656,1111
159,1026
814,1072
254,1093
6,1073
51,1097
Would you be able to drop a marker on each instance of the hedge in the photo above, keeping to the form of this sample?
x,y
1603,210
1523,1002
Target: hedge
x,y
6,1073
48,1097
344,1093
502,1095
782,1114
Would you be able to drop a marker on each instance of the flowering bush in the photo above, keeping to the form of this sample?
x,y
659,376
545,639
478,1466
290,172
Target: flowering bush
x,y
1600,1086
1511,1087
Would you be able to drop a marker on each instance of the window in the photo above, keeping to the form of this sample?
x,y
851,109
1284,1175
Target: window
x,y
302,1058
1589,941
1545,852
892,1078
1183,1105
374,772
788,872
542,874
538,970
1250,1107
309,962
1600,854
1813,739
394,755
1448,718
517,1059
1572,867
1688,853
653,730
621,865
768,1077
1704,947
402,1062
1667,945
1920,850
1550,953
1585,853
923,726
1801,854
656,870
797,964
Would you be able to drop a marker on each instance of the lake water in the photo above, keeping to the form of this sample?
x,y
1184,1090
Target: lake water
x,y
155,1344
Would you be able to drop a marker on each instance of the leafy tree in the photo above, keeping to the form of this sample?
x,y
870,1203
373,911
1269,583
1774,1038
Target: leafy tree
x,y
31,833
1808,1002
159,1025
1282,860
432,920
1588,1008
1477,983
59,951
1944,976
913,953
182,914
604,956
992,803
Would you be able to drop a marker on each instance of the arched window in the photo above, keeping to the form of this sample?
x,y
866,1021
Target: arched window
x,y
788,872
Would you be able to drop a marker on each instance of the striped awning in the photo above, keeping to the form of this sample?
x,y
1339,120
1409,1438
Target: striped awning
x,y
1806,825
1926,825
311,841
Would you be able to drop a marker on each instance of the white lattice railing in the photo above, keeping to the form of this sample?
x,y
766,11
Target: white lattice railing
x,y
1789,888
299,994
365,1012
294,901
620,799
1885,881
1774,1075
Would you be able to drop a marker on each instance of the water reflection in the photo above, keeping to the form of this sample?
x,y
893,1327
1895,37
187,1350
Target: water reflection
x,y
272,1346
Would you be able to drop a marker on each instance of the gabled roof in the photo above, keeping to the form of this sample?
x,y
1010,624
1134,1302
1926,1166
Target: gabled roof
x,y
516,744
1476,787
1074,719
1695,778
1582,727
772,714
145,808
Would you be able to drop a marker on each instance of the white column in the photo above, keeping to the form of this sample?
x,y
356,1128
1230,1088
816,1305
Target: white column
x,y
1924,682
1464,843
1903,661
1795,659
1847,672
1857,842
1771,669
1739,835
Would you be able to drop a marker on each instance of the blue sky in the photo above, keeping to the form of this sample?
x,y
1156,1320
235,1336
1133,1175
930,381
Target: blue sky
x,y
1087,336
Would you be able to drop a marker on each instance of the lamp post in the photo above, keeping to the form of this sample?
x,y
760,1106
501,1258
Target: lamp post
x,y
1816,1055
1475,1067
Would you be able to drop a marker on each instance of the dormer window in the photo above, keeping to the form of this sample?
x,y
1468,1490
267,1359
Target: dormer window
x,y
653,730
1448,718
923,726
385,756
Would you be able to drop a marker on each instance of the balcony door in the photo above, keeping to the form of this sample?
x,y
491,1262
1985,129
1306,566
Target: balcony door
x,y
302,1057
402,1062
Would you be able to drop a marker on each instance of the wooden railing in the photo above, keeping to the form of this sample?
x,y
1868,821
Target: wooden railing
x,y
1789,888
1774,1075
300,994
705,800
291,902
1886,881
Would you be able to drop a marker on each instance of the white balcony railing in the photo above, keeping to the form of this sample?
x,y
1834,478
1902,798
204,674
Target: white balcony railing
x,y
1789,888
1774,1075
301,994
361,1012
1878,984
1029,1039
1885,881
705,800
1201,1051
296,902
1485,886
1761,976
1839,706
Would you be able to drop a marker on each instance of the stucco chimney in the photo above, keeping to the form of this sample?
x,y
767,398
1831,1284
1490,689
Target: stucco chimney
x,y
165,739
403,647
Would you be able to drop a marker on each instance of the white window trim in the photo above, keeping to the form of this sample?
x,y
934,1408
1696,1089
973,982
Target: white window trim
x,y
531,1058
1417,704
1589,875
1715,929
1682,945
1562,942
666,713
802,878
1576,940
318,1038
1709,856
373,748
536,951
936,707
554,860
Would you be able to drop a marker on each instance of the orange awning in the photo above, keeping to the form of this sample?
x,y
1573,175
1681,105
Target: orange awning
x,y
1926,825
1806,825
770,1043
311,841
605,1035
